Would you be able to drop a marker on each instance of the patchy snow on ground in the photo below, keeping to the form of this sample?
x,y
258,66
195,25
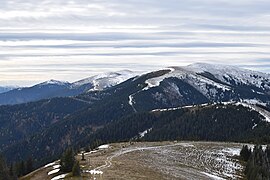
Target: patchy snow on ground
x,y
190,159
50,164
94,171
105,146
90,152
186,144
184,160
56,166
53,171
255,125
142,134
130,100
62,176
232,151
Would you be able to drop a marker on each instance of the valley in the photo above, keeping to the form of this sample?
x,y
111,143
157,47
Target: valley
x,y
155,160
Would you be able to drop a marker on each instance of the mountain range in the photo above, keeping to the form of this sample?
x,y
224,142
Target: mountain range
x,y
54,88
195,102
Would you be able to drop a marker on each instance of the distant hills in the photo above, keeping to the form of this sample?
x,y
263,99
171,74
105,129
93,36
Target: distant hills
x,y
54,88
6,88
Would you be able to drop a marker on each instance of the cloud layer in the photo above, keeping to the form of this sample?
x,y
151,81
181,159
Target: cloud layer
x,y
69,40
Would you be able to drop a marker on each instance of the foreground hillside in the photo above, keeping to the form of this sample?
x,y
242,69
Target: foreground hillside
x,y
155,160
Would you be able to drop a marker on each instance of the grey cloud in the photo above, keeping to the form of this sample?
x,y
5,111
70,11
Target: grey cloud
x,y
204,30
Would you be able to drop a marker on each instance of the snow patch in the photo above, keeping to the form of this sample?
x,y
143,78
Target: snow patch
x,y
142,134
154,82
105,146
255,125
186,145
53,171
90,152
62,176
56,166
232,151
50,164
93,171
131,102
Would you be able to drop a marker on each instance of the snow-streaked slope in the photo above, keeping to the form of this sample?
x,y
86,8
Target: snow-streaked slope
x,y
223,78
265,114
55,88
234,74
249,103
54,82
106,80
199,82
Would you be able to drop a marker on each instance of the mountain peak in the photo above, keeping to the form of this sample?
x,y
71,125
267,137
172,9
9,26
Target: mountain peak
x,y
104,80
53,82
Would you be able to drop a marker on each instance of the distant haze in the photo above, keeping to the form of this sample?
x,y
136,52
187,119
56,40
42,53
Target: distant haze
x,y
71,40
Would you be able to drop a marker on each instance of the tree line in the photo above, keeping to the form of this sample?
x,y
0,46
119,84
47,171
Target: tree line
x,y
68,164
16,170
257,162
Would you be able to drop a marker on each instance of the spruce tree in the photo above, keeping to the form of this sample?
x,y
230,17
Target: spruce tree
x,y
76,170
29,165
11,170
245,153
87,149
67,161
4,173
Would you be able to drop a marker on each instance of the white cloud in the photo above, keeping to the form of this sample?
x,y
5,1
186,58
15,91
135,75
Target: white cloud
x,y
70,40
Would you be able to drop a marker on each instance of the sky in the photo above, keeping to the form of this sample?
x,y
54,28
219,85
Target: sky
x,y
71,40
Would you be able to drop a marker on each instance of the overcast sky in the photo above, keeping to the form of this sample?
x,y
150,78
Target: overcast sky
x,y
70,40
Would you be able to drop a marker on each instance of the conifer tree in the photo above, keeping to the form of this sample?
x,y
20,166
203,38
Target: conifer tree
x,y
67,161
29,165
4,173
245,153
76,171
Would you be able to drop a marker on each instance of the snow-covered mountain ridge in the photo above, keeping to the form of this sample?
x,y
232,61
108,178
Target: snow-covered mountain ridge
x,y
54,88
169,87
227,75
201,83
106,80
